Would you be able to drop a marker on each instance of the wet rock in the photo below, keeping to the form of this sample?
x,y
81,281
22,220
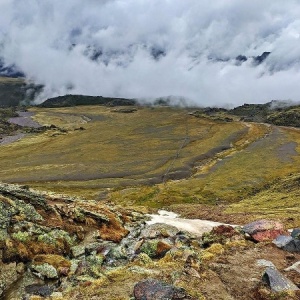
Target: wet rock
x,y
152,289
282,240
264,230
39,290
296,233
277,282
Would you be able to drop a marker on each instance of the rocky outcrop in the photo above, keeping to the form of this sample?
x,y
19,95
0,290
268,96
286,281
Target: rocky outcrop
x,y
48,233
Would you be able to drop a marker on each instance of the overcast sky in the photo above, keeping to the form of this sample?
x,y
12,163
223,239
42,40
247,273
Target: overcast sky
x,y
152,48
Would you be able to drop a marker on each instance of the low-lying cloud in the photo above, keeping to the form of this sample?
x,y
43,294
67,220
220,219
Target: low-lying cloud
x,y
152,48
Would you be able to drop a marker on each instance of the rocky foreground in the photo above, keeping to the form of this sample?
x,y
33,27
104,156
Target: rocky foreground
x,y
57,247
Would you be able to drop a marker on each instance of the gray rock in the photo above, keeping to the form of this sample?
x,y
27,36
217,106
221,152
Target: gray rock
x,y
39,290
282,240
277,282
152,289
292,246
296,233
265,263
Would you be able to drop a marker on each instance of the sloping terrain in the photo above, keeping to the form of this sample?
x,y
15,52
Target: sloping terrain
x,y
109,166
157,157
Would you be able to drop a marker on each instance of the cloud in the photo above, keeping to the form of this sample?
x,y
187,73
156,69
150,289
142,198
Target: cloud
x,y
153,48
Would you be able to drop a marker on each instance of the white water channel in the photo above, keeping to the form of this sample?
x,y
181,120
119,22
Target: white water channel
x,y
194,226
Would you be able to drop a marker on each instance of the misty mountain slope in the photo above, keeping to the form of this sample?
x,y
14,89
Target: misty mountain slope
x,y
154,157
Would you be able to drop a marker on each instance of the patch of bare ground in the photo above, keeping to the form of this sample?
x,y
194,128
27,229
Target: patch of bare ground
x,y
210,212
237,275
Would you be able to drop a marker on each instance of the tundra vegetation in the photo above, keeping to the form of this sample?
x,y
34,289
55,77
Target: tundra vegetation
x,y
102,167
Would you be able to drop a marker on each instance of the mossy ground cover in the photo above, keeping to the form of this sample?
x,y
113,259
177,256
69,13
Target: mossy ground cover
x,y
157,157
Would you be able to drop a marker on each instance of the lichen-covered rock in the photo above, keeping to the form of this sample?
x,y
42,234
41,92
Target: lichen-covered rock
x,y
94,265
155,248
264,230
45,270
60,263
77,251
159,230
8,275
90,266
152,289
117,253
143,259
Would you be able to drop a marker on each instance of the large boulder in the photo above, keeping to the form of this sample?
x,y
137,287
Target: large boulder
x,y
264,230
152,289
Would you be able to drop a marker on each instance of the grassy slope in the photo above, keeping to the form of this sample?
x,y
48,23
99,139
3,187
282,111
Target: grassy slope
x,y
129,152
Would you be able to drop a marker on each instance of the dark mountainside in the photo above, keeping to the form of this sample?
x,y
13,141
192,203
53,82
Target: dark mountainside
x,y
76,100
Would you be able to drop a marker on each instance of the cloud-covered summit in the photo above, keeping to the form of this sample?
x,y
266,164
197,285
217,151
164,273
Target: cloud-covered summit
x,y
154,48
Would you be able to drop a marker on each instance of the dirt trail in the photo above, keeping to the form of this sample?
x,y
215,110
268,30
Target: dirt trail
x,y
24,119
